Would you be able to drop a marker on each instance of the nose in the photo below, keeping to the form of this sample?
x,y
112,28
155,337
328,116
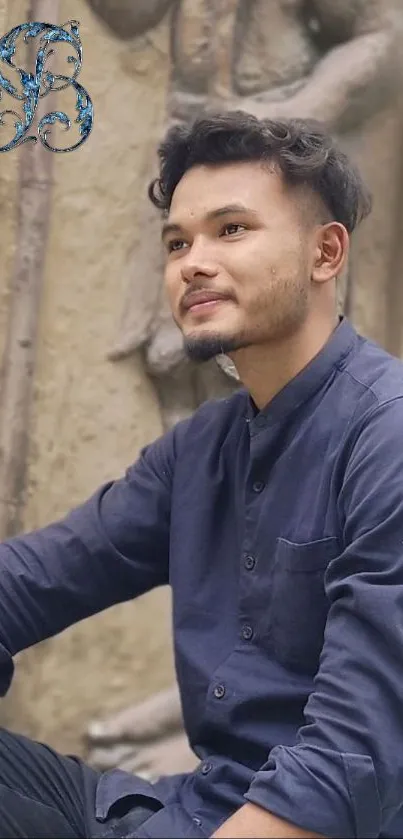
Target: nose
x,y
197,264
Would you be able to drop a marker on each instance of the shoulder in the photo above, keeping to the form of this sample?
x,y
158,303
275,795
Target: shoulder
x,y
370,488
375,375
374,381
361,411
349,18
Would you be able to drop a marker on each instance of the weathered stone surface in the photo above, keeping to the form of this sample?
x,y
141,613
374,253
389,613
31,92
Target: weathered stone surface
x,y
8,186
90,417
146,738
166,756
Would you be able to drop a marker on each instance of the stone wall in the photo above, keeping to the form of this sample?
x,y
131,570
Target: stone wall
x,y
90,417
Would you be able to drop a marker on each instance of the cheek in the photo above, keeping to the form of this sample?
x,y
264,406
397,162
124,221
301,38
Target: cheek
x,y
256,258
277,261
172,282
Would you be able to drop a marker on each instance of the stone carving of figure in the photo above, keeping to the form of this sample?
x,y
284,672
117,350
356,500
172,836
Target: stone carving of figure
x,y
330,59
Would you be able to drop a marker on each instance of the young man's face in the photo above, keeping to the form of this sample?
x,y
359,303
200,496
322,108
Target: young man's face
x,y
238,258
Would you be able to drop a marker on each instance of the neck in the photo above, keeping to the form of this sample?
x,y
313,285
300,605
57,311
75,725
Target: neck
x,y
266,368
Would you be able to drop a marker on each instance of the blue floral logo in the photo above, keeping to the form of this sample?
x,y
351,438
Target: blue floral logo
x,y
34,86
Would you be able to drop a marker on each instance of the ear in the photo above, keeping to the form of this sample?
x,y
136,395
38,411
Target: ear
x,y
331,252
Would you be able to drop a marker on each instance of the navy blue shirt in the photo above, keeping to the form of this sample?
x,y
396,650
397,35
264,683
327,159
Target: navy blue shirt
x,y
281,535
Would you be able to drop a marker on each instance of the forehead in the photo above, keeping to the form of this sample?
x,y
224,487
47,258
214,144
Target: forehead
x,y
206,188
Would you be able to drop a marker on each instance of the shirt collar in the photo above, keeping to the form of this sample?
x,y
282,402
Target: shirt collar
x,y
307,381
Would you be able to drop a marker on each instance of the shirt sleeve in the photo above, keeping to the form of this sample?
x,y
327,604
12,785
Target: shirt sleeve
x,y
109,550
344,776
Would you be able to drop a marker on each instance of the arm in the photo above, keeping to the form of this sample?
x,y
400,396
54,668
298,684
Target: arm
x,y
357,74
130,18
344,777
252,822
109,550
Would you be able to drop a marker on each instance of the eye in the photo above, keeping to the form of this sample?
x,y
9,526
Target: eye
x,y
175,245
232,228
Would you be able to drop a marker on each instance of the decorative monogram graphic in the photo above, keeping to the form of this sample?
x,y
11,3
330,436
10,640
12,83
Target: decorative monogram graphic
x,y
35,86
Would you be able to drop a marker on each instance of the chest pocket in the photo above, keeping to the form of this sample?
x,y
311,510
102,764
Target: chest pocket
x,y
299,603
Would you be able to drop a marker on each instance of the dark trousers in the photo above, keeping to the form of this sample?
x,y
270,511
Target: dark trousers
x,y
43,794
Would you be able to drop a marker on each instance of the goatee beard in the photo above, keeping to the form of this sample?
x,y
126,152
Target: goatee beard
x,y
208,347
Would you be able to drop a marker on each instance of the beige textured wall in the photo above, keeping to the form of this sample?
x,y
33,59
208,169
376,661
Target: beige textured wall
x,y
8,186
90,417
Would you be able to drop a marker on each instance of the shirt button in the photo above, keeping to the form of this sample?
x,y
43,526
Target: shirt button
x,y
258,486
247,632
249,562
219,691
206,768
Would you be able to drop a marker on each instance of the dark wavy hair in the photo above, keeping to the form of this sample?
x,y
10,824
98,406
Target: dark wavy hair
x,y
303,151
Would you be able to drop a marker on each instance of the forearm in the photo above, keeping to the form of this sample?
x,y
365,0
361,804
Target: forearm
x,y
110,549
252,822
349,83
50,579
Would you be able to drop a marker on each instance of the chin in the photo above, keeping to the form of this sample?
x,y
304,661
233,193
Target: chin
x,y
204,345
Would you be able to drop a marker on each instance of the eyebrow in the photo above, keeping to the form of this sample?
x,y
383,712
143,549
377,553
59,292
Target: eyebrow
x,y
228,209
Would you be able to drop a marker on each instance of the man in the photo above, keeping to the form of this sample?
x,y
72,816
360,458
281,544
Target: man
x,y
302,58
275,515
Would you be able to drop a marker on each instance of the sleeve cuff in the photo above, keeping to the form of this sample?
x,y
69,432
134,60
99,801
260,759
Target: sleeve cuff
x,y
331,793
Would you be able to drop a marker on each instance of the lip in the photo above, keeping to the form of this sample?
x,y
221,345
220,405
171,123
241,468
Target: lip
x,y
203,299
